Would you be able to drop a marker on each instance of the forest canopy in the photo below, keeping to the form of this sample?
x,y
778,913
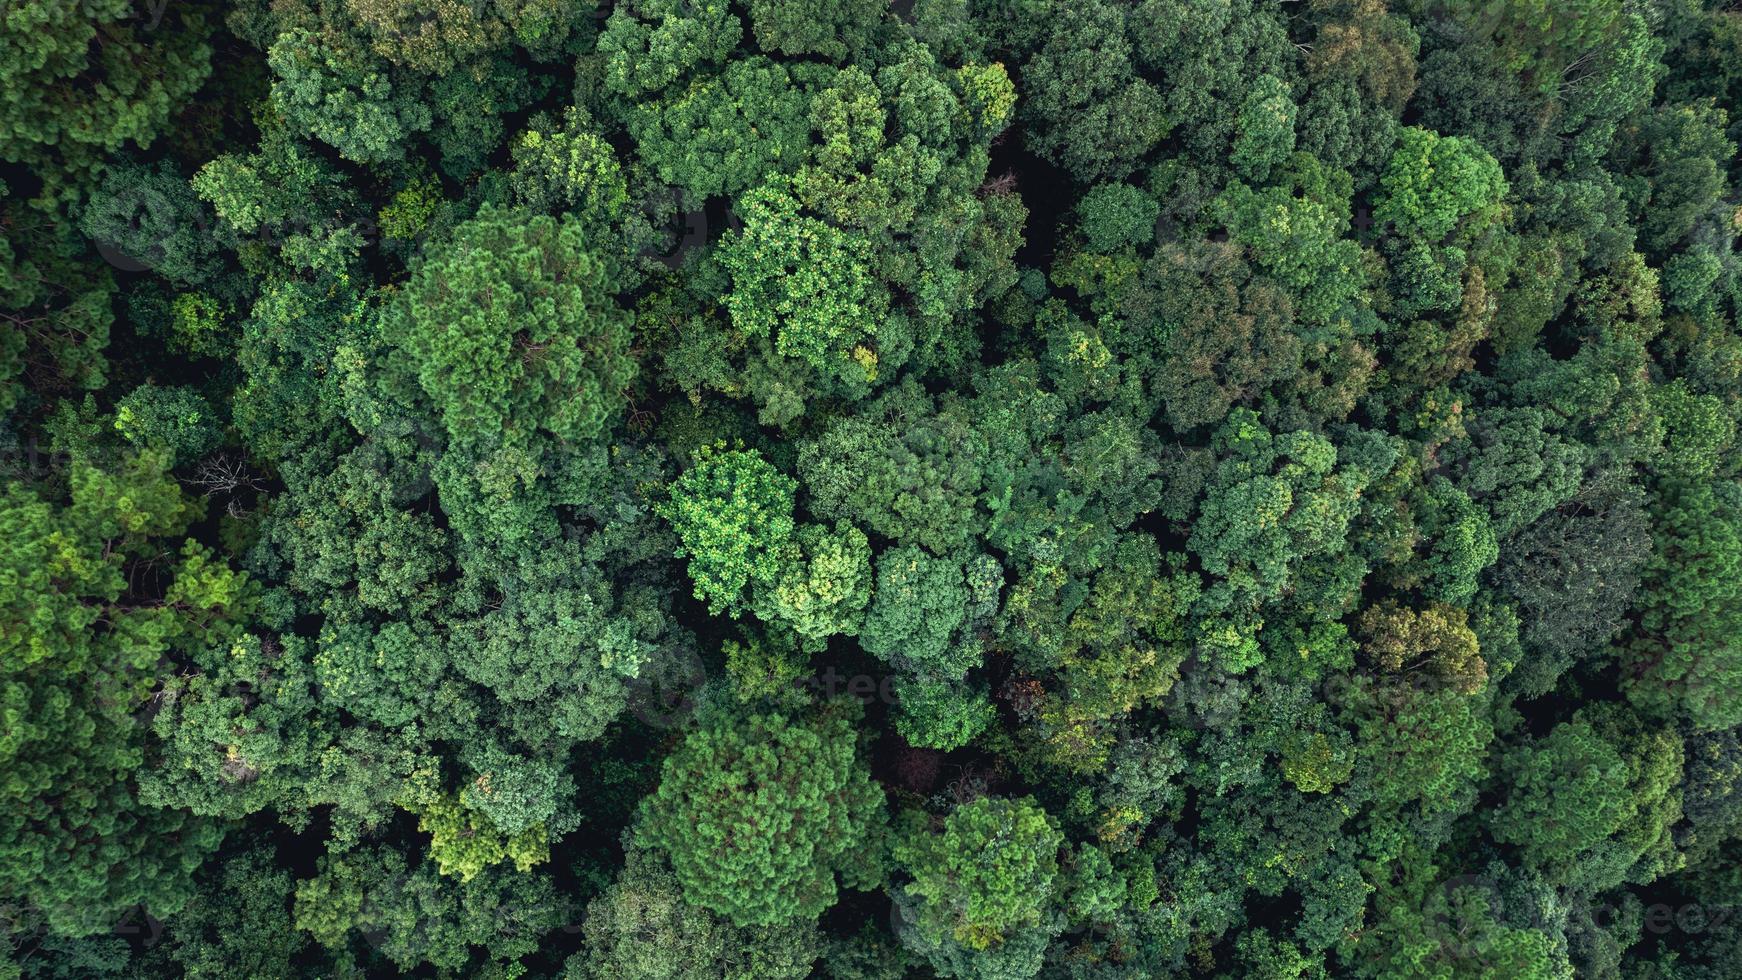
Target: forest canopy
x,y
760,489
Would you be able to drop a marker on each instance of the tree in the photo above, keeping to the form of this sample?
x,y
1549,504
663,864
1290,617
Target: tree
x,y
1684,178
1517,466
833,29
346,542
464,842
918,604
412,915
1115,215
1266,128
239,919
333,88
1274,502
806,284
1433,182
383,676
1204,59
1441,197
1435,641
642,929
88,78
727,133
177,421
1362,70
1421,752
823,585
1434,922
1710,800
1087,107
1697,430
56,308
512,329
568,168
650,44
1592,803
1297,240
941,714
914,478
234,729
1120,650
288,211
151,216
732,511
559,648
1227,336
1574,573
79,844
1684,654
982,884
758,815
449,37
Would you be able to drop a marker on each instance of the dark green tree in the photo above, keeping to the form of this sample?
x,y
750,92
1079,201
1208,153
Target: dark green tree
x,y
758,816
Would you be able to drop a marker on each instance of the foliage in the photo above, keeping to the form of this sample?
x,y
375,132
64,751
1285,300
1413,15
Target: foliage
x,y
758,815
1263,475
1607,817
80,846
642,927
512,329
84,80
919,602
733,513
984,879
807,284
177,421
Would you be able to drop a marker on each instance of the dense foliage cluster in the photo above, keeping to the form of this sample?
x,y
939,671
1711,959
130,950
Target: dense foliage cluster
x,y
986,489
